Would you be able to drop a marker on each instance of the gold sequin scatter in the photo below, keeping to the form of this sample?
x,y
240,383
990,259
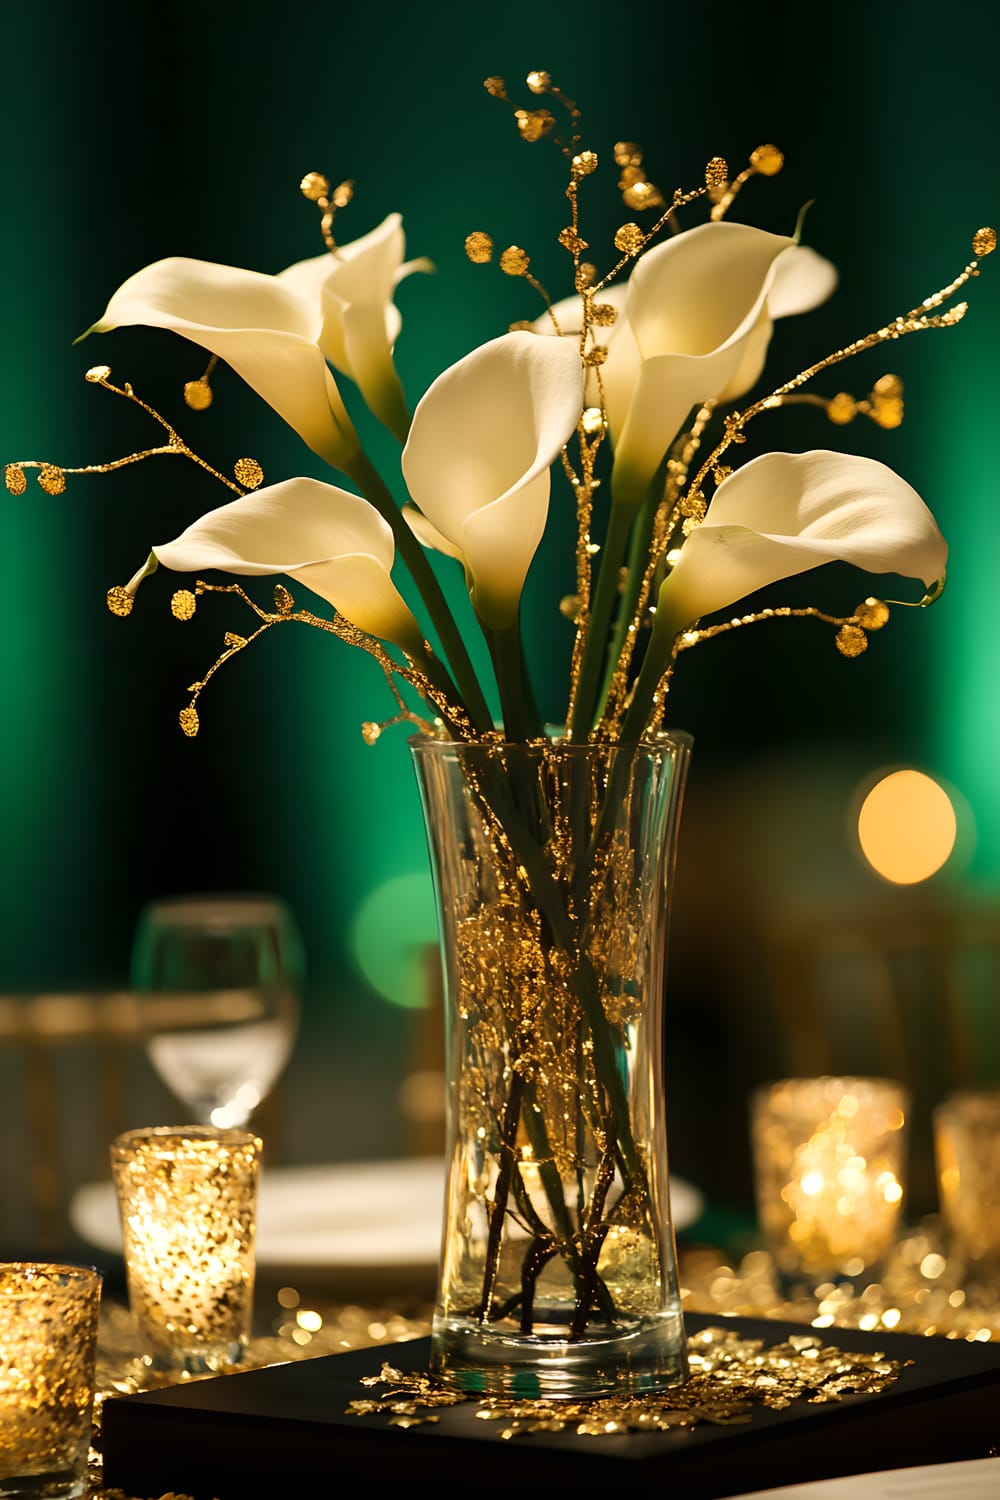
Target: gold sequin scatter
x,y
539,82
479,247
183,604
97,373
52,479
767,160
717,173
873,614
119,601
248,473
314,186
851,641
729,1376
198,394
533,124
629,239
15,479
189,721
984,242
514,261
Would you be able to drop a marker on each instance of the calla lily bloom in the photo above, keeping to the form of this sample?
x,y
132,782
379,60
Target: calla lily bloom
x,y
354,286
785,513
330,540
697,309
477,460
266,331
694,323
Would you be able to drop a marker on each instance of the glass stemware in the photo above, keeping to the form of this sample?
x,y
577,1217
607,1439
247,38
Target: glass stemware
x,y
219,980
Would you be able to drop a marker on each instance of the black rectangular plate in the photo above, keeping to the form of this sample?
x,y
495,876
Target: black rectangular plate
x,y
274,1430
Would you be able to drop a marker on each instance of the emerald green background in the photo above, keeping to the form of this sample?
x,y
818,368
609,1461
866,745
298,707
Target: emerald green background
x,y
127,138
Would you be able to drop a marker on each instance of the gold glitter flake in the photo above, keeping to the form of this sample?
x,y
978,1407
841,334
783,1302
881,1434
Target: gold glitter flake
x,y
984,242
248,473
15,479
629,239
52,479
183,604
119,601
479,247
514,261
767,160
198,394
189,721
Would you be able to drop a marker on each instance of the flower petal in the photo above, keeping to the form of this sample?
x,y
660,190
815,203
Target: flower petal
x,y
802,280
265,331
485,431
334,542
785,513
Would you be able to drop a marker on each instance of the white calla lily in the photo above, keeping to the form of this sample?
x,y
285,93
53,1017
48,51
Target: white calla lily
x,y
330,540
477,460
785,513
698,312
267,332
354,286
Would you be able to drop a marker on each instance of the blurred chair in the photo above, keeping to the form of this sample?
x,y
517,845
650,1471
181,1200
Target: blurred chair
x,y
73,1073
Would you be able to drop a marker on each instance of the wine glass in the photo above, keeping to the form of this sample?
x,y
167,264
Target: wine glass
x,y
219,980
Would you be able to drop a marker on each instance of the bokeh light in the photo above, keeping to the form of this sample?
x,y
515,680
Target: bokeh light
x,y
907,827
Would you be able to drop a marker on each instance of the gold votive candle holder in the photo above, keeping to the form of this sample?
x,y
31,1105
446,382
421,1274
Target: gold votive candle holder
x,y
187,1196
48,1349
967,1157
829,1165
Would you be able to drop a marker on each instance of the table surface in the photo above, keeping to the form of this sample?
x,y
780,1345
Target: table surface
x,y
920,1291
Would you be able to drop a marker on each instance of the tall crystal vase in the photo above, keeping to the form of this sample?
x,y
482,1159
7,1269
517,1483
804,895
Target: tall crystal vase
x,y
553,867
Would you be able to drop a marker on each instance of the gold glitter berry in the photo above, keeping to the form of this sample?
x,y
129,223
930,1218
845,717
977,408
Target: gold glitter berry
x,y
198,394
767,160
97,373
605,314
717,173
495,86
539,82
479,247
984,242
189,721
52,479
183,604
629,239
15,479
873,614
851,641
842,409
119,601
585,163
314,186
514,261
248,473
533,124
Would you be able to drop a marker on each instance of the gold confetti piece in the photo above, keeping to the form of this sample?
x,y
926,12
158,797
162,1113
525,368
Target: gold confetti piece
x,y
183,604
248,473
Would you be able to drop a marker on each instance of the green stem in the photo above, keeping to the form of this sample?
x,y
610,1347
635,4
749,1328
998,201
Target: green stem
x,y
375,490
586,703
521,720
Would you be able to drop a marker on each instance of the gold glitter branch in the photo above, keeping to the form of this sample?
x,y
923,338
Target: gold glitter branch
x,y
316,188
52,477
183,605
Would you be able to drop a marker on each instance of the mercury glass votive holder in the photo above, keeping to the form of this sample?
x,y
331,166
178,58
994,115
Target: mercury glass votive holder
x,y
829,1165
967,1157
187,1196
48,1347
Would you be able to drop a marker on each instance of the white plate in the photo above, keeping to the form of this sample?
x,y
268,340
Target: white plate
x,y
372,1214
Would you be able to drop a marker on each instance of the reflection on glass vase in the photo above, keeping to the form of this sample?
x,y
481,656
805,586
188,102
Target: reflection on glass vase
x,y
553,867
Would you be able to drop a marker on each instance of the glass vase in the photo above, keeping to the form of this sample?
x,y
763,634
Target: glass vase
x,y
553,866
